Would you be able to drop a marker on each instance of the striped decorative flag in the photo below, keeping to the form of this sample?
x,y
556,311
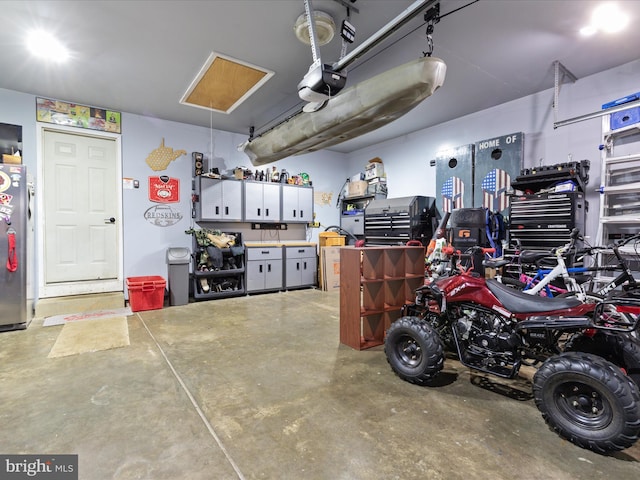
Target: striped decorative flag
x,y
452,194
494,190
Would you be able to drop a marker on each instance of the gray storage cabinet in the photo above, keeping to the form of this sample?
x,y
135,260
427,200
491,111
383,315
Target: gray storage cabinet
x,y
261,202
301,266
220,200
264,269
297,204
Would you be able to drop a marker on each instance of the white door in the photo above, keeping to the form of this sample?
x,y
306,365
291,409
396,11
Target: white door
x,y
81,210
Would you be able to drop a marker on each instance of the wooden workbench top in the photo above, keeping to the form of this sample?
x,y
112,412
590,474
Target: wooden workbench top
x,y
282,243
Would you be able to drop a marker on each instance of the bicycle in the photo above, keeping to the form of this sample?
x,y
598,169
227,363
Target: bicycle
x,y
541,282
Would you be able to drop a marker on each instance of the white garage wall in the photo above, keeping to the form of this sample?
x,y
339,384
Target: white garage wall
x,y
406,159
145,244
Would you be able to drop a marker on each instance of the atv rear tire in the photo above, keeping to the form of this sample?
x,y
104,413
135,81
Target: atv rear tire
x,y
621,350
589,401
414,350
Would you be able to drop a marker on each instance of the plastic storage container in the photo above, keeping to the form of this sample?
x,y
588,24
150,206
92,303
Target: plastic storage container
x,y
624,118
146,293
331,239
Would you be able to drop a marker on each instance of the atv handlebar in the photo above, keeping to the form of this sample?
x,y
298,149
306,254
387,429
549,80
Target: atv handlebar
x,y
453,251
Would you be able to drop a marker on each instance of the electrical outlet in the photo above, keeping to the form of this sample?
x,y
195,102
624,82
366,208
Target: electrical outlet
x,y
314,225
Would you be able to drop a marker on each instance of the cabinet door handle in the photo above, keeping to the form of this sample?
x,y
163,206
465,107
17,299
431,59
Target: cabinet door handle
x,y
266,212
258,211
305,265
217,210
294,214
226,210
297,265
301,250
301,213
260,270
269,268
265,252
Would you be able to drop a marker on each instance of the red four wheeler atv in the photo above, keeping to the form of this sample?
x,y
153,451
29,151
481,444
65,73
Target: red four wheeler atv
x,y
587,356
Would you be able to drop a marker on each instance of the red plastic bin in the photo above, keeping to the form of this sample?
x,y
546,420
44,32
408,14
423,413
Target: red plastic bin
x,y
146,293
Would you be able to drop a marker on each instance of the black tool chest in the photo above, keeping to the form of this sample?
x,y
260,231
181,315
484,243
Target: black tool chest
x,y
545,220
395,221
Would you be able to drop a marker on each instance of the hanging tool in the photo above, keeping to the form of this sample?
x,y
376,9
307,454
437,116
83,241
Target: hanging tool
x,y
12,257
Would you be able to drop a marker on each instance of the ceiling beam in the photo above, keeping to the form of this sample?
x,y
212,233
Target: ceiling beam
x,y
412,11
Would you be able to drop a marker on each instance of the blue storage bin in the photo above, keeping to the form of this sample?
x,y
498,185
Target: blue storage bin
x,y
624,118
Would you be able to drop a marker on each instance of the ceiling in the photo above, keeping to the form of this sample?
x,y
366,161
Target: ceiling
x,y
141,56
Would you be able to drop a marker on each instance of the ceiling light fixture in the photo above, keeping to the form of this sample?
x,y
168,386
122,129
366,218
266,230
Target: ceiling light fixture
x,y
325,28
44,45
606,18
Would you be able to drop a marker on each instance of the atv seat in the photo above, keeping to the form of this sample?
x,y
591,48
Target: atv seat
x,y
519,302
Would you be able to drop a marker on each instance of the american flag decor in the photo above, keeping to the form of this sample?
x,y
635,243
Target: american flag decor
x,y
452,194
494,190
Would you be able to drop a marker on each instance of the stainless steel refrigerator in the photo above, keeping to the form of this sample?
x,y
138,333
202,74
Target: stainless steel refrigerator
x,y
14,215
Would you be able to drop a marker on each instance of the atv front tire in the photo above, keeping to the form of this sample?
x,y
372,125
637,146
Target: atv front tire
x,y
414,350
589,401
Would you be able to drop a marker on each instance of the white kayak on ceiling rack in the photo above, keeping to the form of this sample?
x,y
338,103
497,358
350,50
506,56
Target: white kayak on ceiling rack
x,y
360,109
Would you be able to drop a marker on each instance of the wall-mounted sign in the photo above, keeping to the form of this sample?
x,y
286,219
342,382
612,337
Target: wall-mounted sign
x,y
74,115
162,215
161,157
164,189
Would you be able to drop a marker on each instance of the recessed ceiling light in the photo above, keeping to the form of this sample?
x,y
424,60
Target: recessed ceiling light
x,y
44,45
609,18
606,18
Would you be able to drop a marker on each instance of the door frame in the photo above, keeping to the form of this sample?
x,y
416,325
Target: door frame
x,y
80,287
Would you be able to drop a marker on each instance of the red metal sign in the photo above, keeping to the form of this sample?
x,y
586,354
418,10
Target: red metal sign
x,y
164,189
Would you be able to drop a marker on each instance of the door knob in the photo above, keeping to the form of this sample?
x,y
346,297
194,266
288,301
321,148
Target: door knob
x,y
110,220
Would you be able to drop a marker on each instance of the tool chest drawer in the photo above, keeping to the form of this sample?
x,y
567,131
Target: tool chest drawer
x,y
545,220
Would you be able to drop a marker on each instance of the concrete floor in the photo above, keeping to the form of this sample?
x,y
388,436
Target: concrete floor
x,y
259,387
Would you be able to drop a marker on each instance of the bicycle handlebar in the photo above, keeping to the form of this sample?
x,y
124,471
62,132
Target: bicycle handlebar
x,y
624,241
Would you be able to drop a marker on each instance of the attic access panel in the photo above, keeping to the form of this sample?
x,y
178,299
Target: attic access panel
x,y
223,83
